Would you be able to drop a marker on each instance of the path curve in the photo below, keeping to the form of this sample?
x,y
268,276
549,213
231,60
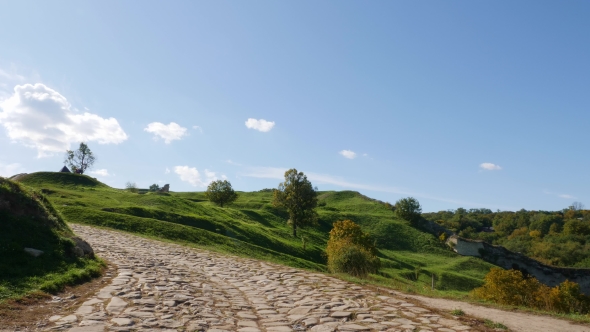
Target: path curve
x,y
166,287
516,321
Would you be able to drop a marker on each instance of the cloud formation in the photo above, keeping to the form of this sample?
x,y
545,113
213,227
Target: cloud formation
x,y
489,167
348,154
193,176
100,172
10,169
260,125
170,132
41,118
567,196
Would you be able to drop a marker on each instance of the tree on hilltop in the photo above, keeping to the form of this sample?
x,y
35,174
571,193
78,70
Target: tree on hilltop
x,y
221,192
409,209
298,197
81,159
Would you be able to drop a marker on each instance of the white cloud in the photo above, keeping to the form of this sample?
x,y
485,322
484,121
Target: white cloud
x,y
100,172
10,169
567,196
231,162
490,167
193,176
348,154
198,128
41,118
170,132
167,170
260,125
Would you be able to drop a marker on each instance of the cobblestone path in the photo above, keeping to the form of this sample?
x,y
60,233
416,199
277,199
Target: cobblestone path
x,y
165,287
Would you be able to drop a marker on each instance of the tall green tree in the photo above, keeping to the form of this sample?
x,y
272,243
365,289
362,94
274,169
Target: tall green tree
x,y
409,209
299,198
81,159
221,192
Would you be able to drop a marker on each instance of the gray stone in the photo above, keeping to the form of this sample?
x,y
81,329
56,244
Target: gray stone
x,y
341,314
116,305
34,252
122,321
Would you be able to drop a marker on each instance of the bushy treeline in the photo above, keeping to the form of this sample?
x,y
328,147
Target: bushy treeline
x,y
560,238
511,287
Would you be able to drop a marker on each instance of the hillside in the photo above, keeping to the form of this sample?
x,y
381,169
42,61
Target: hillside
x,y
252,226
28,220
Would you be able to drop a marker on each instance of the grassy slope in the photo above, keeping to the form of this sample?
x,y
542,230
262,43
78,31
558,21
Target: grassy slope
x,y
27,221
252,226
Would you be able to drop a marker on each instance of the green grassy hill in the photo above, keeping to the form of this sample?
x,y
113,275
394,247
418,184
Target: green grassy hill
x,y
27,220
252,226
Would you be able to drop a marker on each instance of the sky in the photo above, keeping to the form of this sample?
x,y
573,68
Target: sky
x,y
474,104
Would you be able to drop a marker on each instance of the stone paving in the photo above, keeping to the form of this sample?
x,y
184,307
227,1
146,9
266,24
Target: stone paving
x,y
165,287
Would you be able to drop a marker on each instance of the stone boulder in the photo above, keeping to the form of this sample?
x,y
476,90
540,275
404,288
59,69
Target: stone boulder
x,y
82,248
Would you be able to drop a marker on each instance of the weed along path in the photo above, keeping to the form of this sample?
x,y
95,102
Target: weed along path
x,y
166,287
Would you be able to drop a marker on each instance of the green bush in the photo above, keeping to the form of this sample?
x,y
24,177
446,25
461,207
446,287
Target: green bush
x,y
351,251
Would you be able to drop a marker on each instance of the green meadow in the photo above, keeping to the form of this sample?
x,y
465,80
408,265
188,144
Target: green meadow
x,y
253,227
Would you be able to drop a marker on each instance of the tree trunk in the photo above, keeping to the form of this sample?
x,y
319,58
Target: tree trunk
x,y
294,230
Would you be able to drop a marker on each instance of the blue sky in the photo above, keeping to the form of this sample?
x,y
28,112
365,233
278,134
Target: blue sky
x,y
457,103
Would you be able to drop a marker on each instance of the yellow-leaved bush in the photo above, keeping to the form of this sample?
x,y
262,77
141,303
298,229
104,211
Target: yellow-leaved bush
x,y
511,287
351,250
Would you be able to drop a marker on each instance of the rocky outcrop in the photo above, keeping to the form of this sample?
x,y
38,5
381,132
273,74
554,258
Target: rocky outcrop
x,y
165,188
498,255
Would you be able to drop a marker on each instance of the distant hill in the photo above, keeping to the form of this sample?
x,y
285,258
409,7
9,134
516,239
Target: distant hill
x,y
28,220
252,226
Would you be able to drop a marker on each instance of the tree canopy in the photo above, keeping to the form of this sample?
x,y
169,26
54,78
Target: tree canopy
x,y
221,192
81,159
409,209
298,197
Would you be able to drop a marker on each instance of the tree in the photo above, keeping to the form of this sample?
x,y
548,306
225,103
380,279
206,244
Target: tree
x,y
81,159
154,187
220,192
298,197
131,187
577,206
409,209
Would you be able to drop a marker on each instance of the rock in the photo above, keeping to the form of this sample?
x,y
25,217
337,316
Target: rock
x,y
34,252
82,248
323,328
353,327
116,305
165,188
341,314
122,321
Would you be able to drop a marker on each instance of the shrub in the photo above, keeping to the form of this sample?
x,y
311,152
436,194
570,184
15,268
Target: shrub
x,y
350,250
131,187
510,287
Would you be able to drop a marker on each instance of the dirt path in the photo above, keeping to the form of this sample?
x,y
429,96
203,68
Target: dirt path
x,y
165,287
516,321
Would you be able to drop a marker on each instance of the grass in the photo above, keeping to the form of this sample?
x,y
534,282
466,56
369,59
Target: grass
x,y
494,325
29,220
251,226
457,312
